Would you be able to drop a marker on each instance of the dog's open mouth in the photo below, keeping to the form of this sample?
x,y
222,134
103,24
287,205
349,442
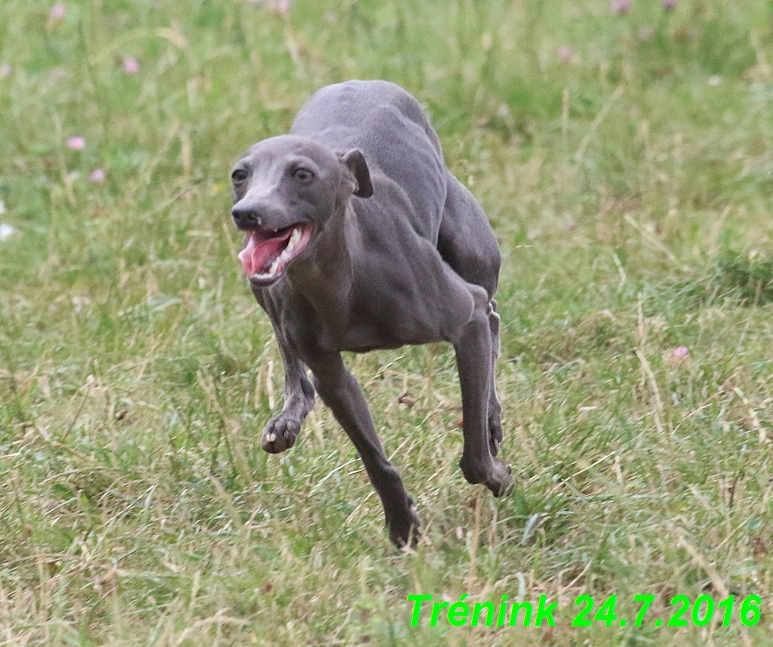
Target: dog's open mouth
x,y
268,253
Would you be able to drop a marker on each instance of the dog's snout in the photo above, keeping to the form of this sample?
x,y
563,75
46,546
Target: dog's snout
x,y
246,217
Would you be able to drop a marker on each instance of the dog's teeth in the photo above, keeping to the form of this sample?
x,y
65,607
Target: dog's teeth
x,y
294,238
287,252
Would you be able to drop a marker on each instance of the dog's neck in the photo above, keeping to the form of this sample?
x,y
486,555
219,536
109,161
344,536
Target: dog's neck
x,y
326,277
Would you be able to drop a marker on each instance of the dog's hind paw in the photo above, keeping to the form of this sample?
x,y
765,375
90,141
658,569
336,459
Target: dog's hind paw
x,y
280,434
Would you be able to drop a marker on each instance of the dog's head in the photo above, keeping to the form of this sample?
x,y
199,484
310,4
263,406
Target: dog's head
x,y
285,189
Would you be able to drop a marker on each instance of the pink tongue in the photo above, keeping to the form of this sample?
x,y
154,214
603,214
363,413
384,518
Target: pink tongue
x,y
257,253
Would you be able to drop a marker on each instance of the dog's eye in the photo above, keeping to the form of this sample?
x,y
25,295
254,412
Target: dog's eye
x,y
303,175
239,175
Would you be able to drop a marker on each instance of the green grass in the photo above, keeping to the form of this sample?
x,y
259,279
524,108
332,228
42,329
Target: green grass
x,y
631,189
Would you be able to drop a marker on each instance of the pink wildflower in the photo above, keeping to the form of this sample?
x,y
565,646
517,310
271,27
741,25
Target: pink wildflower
x,y
620,7
98,175
676,356
56,16
131,65
565,53
76,143
681,352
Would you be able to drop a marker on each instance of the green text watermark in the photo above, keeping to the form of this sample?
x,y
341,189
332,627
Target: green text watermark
x,y
680,611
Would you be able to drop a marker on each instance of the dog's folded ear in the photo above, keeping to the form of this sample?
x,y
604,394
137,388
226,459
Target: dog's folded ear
x,y
354,160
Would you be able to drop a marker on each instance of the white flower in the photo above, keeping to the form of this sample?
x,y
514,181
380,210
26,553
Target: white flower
x,y
6,231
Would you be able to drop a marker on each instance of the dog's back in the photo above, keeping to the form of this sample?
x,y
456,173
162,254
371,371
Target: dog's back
x,y
387,124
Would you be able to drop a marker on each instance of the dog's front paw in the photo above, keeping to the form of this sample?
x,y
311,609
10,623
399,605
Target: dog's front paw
x,y
496,476
403,527
280,434
405,531
500,481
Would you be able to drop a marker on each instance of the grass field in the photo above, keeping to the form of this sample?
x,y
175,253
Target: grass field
x,y
625,160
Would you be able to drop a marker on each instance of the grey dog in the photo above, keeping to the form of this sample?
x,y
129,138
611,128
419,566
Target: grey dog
x,y
358,238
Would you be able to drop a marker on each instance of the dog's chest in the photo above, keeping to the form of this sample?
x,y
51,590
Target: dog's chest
x,y
398,292
361,326
382,320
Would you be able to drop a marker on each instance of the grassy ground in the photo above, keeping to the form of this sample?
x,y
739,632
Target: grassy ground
x,y
626,163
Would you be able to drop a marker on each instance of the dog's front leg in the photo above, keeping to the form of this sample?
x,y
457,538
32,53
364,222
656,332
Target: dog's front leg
x,y
280,433
341,392
474,358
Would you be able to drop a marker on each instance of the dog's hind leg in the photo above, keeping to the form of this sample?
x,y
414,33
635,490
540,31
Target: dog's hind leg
x,y
474,359
340,391
280,433
467,243
494,407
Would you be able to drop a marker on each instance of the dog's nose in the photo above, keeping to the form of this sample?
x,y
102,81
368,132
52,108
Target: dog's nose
x,y
246,217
